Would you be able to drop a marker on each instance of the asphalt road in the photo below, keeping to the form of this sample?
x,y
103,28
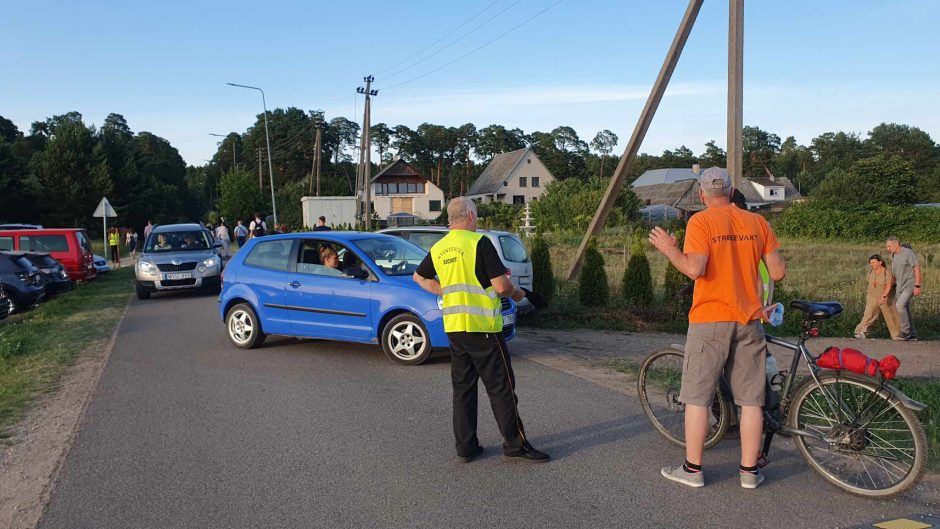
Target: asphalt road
x,y
185,430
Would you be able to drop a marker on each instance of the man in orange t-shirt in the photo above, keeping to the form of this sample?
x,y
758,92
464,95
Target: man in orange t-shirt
x,y
724,246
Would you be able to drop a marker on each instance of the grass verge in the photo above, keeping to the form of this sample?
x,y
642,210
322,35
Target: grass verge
x,y
36,347
926,390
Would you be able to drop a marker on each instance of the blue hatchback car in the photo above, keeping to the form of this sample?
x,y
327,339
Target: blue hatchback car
x,y
347,286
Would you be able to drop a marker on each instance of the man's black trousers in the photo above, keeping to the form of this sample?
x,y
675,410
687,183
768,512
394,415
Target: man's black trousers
x,y
475,356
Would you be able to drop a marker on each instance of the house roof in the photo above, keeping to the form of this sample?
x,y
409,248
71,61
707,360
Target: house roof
x,y
767,182
399,167
496,172
664,176
680,195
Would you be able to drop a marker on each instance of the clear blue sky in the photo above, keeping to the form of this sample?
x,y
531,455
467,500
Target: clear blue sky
x,y
810,66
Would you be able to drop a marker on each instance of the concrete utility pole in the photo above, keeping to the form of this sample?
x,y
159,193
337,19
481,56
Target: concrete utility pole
x,y
318,124
366,154
646,117
736,92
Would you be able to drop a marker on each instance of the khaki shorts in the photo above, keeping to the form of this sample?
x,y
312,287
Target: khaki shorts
x,y
737,350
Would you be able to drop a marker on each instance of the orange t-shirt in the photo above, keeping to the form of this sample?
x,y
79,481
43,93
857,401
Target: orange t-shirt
x,y
734,241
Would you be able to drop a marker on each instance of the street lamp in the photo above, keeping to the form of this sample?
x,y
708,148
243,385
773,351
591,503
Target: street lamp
x,y
267,138
234,165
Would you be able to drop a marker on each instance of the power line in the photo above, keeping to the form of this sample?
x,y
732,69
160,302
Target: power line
x,y
471,52
436,42
460,38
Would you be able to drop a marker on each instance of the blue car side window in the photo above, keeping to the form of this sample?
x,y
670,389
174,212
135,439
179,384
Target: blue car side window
x,y
273,255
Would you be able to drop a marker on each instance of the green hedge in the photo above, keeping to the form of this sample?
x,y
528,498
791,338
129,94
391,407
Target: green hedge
x,y
861,223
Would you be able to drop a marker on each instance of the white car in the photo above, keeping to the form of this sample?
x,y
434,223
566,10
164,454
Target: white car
x,y
508,245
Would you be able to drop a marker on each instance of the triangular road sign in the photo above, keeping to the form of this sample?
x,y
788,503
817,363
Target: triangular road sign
x,y
104,209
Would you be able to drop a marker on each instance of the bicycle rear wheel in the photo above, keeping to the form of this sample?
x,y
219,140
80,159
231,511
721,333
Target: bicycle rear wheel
x,y
872,445
658,384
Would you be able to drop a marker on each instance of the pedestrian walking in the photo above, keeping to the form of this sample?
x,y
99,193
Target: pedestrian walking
x,y
907,277
257,228
321,225
135,243
879,298
241,234
471,278
221,233
147,229
114,240
723,248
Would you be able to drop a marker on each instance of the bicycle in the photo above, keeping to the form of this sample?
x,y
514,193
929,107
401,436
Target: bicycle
x,y
859,433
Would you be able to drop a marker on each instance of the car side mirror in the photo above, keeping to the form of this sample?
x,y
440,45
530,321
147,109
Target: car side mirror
x,y
356,273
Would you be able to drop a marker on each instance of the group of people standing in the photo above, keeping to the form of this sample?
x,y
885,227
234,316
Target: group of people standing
x,y
131,242
889,292
257,227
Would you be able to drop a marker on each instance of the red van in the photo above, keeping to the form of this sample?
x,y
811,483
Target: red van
x,y
70,246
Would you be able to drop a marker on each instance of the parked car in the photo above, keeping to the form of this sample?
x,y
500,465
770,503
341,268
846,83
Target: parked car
x,y
178,257
278,285
54,278
101,264
508,245
20,281
20,226
4,304
69,246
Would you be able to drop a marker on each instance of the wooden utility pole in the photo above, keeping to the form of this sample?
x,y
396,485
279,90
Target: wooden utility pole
x,y
365,154
260,180
639,132
736,92
315,171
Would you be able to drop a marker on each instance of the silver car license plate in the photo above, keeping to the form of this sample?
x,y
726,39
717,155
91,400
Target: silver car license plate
x,y
509,319
174,277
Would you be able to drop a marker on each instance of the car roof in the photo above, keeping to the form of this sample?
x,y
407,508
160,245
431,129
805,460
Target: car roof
x,y
335,236
435,229
165,228
42,230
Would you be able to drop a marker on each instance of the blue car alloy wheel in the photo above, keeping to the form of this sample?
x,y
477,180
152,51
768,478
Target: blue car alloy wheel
x,y
405,340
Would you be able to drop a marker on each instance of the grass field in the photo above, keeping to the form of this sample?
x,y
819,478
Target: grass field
x,y
37,346
815,270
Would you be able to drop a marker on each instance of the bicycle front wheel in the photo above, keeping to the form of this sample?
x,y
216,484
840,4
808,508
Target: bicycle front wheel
x,y
658,384
868,443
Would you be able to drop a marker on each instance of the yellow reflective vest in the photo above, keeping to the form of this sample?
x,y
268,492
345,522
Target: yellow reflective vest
x,y
114,239
468,307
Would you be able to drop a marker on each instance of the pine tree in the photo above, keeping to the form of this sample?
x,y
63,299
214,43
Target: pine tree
x,y
543,280
593,290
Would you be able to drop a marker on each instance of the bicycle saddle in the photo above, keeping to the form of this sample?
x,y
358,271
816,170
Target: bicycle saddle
x,y
818,310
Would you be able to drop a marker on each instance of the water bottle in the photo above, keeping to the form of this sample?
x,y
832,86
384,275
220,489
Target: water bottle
x,y
776,317
772,371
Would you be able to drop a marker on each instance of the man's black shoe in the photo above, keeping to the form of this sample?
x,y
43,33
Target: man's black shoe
x,y
528,455
471,456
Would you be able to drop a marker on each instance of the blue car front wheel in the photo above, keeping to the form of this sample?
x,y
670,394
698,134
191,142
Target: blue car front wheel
x,y
405,340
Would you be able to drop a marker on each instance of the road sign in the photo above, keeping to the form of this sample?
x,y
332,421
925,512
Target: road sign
x,y
104,209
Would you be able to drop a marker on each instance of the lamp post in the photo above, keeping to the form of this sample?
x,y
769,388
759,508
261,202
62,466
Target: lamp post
x,y
267,138
234,165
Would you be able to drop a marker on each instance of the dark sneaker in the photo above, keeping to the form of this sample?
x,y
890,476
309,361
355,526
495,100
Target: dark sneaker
x,y
528,455
750,480
692,479
471,456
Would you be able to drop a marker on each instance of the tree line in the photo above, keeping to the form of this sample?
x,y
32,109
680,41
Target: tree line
x,y
56,173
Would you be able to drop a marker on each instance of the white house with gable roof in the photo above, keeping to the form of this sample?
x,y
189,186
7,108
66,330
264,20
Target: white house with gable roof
x,y
515,177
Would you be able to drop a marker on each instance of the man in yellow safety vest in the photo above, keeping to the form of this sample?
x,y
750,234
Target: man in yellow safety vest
x,y
470,278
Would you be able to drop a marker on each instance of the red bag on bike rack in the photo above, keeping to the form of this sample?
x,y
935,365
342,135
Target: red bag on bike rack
x,y
857,362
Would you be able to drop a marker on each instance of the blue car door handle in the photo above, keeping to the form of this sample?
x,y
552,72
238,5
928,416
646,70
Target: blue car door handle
x,y
295,284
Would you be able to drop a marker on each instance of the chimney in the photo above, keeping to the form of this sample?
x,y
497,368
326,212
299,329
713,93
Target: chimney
x,y
696,168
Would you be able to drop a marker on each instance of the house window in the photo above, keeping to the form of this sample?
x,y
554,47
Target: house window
x,y
523,182
392,189
774,192
420,188
535,181
506,183
434,205
411,188
518,199
528,160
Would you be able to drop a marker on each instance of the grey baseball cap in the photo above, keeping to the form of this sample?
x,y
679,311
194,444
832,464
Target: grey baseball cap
x,y
715,178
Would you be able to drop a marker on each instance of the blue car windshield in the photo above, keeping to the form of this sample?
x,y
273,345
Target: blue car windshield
x,y
395,257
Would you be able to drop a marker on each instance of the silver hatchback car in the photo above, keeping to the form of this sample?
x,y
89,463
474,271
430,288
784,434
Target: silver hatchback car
x,y
179,257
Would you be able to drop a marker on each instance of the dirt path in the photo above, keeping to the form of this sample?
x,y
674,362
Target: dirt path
x,y
918,359
30,463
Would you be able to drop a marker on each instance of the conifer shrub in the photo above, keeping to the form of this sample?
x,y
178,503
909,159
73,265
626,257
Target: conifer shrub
x,y
543,280
673,279
593,290
636,287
